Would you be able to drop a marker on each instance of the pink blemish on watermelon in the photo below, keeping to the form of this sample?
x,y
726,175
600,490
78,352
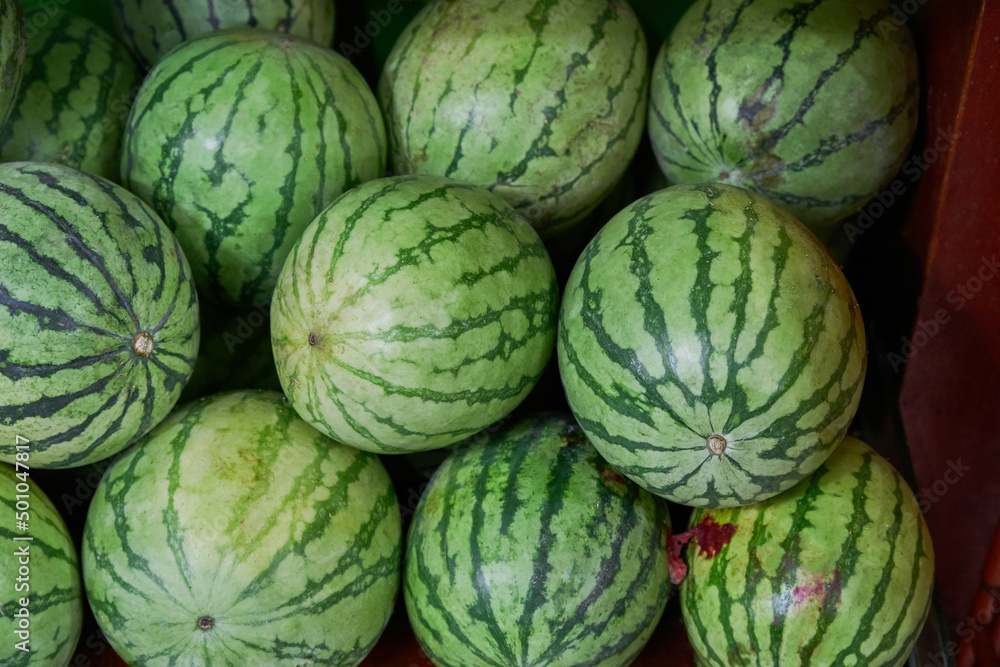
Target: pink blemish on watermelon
x,y
710,538
819,589
802,594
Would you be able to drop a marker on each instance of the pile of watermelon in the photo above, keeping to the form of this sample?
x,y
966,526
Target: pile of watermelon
x,y
573,265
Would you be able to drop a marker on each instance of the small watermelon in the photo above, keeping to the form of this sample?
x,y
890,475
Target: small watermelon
x,y
75,96
542,103
710,347
98,315
152,28
239,139
813,105
41,609
528,549
237,535
414,312
838,570
12,51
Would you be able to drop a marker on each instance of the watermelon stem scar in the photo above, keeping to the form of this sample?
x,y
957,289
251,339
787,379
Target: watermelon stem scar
x,y
206,623
716,444
142,344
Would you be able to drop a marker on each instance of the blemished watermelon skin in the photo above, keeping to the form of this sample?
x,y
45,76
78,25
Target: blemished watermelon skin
x,y
414,312
236,534
75,95
152,28
544,103
12,51
527,549
710,347
98,315
44,571
812,105
838,570
239,139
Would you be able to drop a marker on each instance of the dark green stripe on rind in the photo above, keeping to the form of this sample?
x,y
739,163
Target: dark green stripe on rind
x,y
720,112
527,549
77,89
254,519
415,339
52,584
152,28
836,571
96,268
291,126
545,110
704,310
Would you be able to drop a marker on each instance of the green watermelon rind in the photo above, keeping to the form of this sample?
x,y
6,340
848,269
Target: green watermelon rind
x,y
542,103
704,310
838,570
75,95
40,567
239,139
97,272
235,534
417,339
152,30
527,548
813,106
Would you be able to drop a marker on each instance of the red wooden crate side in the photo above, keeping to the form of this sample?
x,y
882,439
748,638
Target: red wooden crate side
x,y
950,396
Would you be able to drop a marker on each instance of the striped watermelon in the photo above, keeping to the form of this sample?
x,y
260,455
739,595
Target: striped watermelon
x,y
838,570
41,609
235,534
710,347
98,316
544,103
812,104
152,28
12,50
239,139
528,549
414,312
75,96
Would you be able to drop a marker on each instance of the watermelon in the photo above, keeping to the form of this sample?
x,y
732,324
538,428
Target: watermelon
x,y
153,28
543,103
239,139
812,105
12,50
838,570
98,316
75,96
41,610
710,347
235,534
414,312
528,549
